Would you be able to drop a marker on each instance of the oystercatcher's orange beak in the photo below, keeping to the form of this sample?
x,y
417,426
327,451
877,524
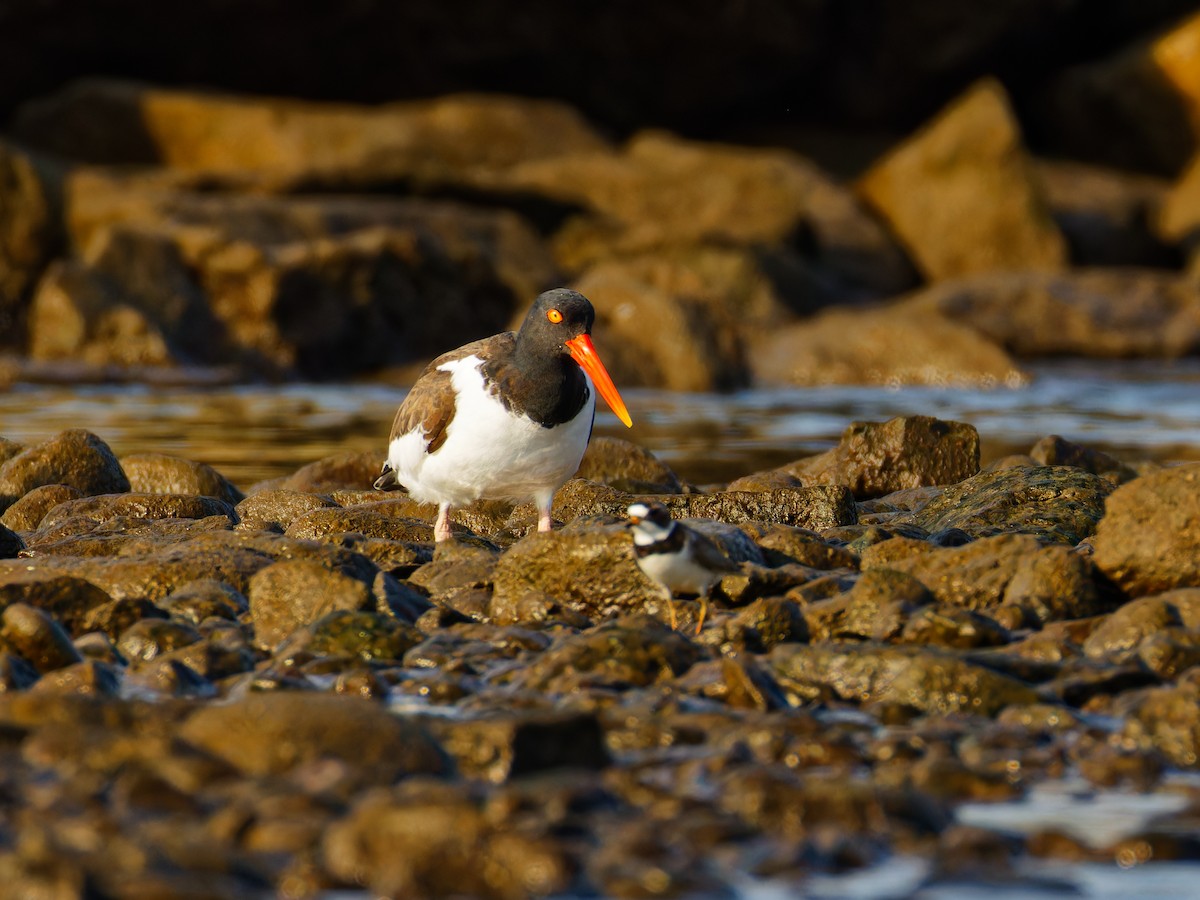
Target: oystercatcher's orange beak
x,y
584,353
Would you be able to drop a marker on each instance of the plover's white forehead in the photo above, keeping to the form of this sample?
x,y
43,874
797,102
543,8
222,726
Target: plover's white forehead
x,y
638,510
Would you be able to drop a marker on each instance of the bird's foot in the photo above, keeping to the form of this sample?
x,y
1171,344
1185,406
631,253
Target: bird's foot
x,y
441,528
703,614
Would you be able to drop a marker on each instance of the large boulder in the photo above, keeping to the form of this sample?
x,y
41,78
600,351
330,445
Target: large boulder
x,y
1149,539
962,196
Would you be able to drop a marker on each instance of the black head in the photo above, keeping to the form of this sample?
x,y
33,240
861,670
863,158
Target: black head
x,y
556,317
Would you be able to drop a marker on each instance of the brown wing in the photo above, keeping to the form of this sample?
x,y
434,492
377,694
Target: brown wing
x,y
431,402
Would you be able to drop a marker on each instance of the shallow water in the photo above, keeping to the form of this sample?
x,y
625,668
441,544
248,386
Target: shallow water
x,y
1138,410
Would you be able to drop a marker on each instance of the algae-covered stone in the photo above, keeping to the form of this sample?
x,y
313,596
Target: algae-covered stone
x,y
279,507
38,638
877,458
139,506
1149,539
627,467
508,745
1054,450
933,681
635,650
1054,503
361,634
76,458
292,593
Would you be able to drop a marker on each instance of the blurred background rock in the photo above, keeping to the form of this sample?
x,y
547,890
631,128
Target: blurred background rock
x,y
759,192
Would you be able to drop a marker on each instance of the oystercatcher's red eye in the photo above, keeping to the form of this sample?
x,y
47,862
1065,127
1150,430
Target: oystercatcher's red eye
x,y
554,316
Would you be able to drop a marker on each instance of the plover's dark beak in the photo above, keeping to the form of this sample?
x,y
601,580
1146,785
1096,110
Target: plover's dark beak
x,y
584,353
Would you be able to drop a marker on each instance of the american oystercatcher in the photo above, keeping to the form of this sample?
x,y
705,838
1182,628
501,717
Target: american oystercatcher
x,y
681,559
504,418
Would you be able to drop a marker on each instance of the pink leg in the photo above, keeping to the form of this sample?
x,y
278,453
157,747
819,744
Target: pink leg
x,y
441,528
543,505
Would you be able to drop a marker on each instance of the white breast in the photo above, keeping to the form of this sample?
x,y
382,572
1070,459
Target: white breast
x,y
489,451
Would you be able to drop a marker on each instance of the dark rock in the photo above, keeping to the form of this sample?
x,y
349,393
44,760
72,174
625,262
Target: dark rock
x,y
158,473
980,207
30,229
1106,215
933,681
1165,719
511,745
1120,633
38,638
163,677
148,639
15,673
626,467
767,622
873,459
10,543
1149,538
631,651
1054,503
342,470
952,626
788,544
293,593
27,513
271,734
76,458
203,599
377,520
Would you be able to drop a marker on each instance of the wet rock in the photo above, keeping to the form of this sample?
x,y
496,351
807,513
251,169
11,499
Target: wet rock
x,y
515,744
626,467
158,473
1149,538
425,840
815,508
75,458
289,594
592,572
782,544
952,626
1170,652
160,677
873,459
1100,313
1055,451
991,573
203,599
10,543
37,637
979,207
139,506
270,734
888,346
27,513
278,508
376,520
631,651
934,681
88,679
356,634
150,638
1053,503
767,622
1166,719
1120,633
15,673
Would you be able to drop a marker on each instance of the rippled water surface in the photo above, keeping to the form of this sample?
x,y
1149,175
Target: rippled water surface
x,y
1137,410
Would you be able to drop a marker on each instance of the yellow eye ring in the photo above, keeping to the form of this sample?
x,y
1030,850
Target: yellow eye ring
x,y
554,316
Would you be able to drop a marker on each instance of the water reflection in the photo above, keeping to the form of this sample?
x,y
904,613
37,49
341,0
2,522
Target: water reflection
x,y
1136,410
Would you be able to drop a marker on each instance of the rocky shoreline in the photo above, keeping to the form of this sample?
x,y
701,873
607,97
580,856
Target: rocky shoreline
x,y
287,689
